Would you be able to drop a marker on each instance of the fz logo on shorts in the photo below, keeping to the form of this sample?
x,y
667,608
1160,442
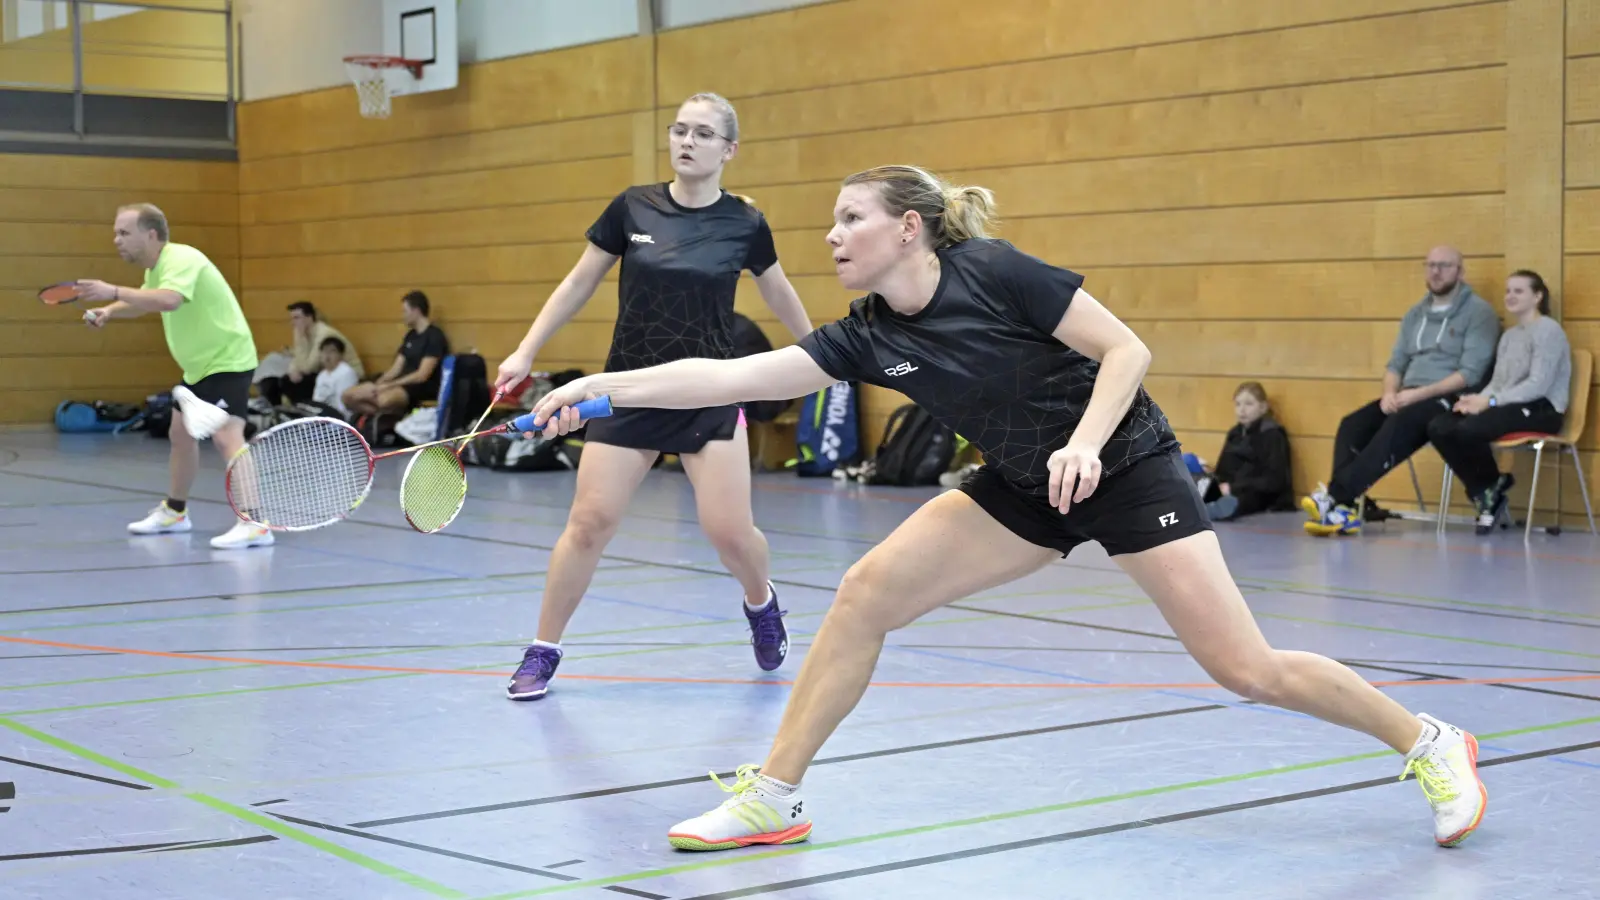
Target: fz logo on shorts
x,y
904,368
1169,519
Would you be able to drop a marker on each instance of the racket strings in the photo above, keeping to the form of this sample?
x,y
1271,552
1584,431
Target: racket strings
x,y
301,475
433,489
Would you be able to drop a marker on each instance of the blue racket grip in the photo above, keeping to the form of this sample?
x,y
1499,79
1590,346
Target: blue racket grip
x,y
597,408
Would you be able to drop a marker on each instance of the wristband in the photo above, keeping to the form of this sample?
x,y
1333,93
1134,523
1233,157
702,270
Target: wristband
x,y
1494,401
116,294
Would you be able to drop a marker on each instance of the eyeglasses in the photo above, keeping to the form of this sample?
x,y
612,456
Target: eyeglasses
x,y
701,133
1439,266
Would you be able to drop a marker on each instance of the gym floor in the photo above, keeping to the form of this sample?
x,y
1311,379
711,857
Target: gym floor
x,y
325,718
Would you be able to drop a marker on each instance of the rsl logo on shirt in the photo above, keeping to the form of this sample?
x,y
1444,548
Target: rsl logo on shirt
x,y
641,238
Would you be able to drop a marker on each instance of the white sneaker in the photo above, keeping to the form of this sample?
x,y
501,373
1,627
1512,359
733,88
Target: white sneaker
x,y
757,813
243,534
162,520
1447,769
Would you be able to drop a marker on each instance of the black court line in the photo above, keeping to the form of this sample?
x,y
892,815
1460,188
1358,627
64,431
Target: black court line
x,y
84,775
217,845
635,892
561,865
852,757
270,802
281,591
1110,829
1510,687
181,565
1034,618
1431,607
90,851
437,851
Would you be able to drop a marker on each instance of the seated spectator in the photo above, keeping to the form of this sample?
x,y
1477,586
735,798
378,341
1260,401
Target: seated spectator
x,y
1532,372
413,378
304,358
1444,348
336,377
1252,475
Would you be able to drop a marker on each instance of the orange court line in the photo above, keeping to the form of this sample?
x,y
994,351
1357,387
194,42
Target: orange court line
x,y
642,679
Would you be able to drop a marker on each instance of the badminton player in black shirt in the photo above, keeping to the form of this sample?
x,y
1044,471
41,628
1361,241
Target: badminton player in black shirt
x,y
1014,355
683,246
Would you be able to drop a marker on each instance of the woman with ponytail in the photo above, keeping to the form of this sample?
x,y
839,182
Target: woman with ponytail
x,y
1010,352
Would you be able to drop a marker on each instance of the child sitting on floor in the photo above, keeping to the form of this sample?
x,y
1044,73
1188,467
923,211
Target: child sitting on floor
x,y
1252,475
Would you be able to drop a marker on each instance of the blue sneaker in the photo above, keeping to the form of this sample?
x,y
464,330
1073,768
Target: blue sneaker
x,y
532,678
767,634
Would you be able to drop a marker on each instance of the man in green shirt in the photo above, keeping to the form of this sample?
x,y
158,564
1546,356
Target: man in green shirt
x,y
208,337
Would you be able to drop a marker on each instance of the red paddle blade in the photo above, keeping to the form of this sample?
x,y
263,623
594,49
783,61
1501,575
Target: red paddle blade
x,y
65,292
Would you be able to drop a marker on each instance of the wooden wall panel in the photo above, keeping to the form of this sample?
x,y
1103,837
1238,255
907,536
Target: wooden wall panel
x,y
1252,186
56,215
1583,89
1583,28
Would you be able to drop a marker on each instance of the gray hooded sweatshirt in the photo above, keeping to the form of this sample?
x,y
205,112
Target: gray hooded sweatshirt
x,y
1460,338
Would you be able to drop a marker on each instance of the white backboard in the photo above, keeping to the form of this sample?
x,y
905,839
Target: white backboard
x,y
423,30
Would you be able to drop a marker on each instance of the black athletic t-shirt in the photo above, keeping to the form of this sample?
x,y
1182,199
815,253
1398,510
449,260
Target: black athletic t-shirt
x,y
415,346
981,358
680,268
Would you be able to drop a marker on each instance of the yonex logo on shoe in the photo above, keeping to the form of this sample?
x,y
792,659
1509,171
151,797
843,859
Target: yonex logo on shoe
x,y
1169,519
795,812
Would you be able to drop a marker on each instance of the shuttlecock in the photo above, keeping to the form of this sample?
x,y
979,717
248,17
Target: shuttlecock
x,y
200,419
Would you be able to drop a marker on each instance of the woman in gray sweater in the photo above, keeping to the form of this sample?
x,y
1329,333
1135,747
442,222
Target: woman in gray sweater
x,y
1528,392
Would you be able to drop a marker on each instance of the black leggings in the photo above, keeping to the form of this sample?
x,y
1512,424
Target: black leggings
x,y
1464,441
1370,442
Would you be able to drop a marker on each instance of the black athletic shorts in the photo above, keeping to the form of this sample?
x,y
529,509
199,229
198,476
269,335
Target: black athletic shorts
x,y
229,390
1150,503
665,430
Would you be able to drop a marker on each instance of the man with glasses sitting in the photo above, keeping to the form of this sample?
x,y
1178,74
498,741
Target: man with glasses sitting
x,y
1445,348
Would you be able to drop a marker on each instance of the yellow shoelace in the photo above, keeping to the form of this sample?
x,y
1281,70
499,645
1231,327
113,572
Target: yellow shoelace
x,y
1437,787
744,780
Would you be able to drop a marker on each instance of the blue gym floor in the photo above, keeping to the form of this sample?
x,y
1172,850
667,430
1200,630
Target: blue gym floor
x,y
326,718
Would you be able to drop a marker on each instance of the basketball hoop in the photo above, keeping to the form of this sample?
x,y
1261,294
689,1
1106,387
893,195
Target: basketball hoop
x,y
377,78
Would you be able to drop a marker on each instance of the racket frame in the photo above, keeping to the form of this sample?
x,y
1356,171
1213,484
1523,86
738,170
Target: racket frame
x,y
77,293
372,465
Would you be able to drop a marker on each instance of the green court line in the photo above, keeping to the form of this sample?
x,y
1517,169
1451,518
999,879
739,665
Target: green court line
x,y
1423,634
811,847
1444,602
272,825
331,682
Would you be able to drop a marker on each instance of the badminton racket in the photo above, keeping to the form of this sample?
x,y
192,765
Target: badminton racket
x,y
434,487
310,473
59,293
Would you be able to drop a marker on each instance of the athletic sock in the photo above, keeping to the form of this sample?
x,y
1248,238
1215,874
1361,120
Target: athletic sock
x,y
1430,733
177,506
547,645
780,788
763,605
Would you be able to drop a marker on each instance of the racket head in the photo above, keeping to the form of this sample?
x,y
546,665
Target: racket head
x,y
59,293
433,489
301,475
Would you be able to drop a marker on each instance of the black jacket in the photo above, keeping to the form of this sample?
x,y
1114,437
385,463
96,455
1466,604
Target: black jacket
x,y
1255,465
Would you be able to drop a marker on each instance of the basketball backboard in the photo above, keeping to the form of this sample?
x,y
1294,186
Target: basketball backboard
x,y
423,30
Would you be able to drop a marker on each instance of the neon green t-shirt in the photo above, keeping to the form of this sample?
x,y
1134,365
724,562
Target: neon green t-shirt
x,y
208,333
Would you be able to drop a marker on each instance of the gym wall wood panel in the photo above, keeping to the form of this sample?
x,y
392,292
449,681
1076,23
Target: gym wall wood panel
x,y
56,215
1581,238
1253,186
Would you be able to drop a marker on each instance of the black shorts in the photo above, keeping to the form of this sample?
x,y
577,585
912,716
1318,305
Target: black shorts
x,y
664,430
229,390
1152,502
418,394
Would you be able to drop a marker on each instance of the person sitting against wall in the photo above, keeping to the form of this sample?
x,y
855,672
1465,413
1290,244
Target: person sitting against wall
x,y
303,360
413,378
1445,348
1528,392
1253,473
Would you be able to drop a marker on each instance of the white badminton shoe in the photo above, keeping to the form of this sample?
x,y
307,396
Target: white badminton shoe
x,y
757,813
162,520
1446,766
243,535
